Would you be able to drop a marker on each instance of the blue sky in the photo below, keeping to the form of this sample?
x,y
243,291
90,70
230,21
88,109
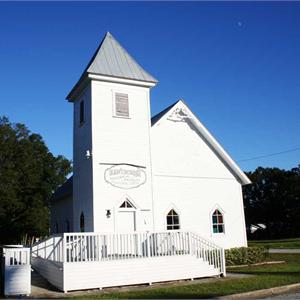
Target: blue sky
x,y
236,64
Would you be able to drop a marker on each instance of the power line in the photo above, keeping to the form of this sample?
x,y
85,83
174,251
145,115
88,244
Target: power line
x,y
271,154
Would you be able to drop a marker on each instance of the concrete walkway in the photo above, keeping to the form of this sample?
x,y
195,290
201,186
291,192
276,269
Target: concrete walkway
x,y
287,251
290,296
42,289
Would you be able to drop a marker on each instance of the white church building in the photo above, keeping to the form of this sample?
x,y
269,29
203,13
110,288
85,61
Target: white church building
x,y
160,188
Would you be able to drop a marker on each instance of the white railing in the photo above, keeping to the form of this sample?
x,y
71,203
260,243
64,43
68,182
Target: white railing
x,y
95,247
91,247
51,248
208,251
16,256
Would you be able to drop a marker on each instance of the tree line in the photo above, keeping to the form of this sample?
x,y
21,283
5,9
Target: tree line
x,y
30,173
273,199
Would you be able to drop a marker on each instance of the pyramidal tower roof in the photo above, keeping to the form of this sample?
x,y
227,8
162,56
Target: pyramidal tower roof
x,y
111,59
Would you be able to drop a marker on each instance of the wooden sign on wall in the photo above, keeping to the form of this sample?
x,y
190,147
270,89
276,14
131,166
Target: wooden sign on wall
x,y
125,176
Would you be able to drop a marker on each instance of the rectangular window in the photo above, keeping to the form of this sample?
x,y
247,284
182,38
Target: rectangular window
x,y
121,105
81,112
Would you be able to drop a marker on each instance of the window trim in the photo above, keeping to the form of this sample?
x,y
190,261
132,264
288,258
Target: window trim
x,y
114,93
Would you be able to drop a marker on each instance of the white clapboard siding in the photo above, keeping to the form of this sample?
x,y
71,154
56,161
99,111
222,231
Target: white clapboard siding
x,y
190,177
128,272
17,271
17,280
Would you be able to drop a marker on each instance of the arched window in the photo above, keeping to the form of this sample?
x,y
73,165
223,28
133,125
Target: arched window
x,y
67,226
217,222
82,222
173,220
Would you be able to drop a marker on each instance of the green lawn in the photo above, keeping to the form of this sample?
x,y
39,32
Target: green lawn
x,y
265,276
284,243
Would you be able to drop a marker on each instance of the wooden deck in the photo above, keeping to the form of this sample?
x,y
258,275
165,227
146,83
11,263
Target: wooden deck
x,y
76,261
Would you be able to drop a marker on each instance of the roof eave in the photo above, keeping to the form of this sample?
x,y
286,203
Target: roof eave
x,y
220,151
122,80
57,198
215,146
223,155
78,87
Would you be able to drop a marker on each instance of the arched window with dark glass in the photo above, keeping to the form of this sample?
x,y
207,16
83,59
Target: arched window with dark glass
x,y
67,226
173,220
218,222
82,222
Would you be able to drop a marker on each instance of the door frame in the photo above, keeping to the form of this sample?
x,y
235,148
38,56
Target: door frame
x,y
119,209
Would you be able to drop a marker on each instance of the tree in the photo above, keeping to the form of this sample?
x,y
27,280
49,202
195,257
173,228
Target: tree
x,y
29,173
273,199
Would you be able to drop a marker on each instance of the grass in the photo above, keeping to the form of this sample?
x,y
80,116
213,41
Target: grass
x,y
264,276
283,243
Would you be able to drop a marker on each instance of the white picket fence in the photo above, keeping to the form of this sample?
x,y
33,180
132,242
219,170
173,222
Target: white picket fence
x,y
81,248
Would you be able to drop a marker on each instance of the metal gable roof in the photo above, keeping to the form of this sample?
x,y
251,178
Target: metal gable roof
x,y
111,59
66,189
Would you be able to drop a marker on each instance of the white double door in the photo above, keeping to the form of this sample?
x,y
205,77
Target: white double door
x,y
126,221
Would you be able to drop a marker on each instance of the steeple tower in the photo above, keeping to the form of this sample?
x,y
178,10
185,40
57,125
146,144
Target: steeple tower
x,y
111,154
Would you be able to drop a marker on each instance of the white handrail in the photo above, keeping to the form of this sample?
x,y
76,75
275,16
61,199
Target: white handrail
x,y
209,252
50,248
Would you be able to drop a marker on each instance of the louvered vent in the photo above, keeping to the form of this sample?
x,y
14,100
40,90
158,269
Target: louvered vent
x,y
121,105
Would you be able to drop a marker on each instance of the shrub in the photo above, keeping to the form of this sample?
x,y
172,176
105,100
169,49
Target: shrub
x,y
245,255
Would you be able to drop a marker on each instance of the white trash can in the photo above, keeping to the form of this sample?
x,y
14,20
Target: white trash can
x,y
16,269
